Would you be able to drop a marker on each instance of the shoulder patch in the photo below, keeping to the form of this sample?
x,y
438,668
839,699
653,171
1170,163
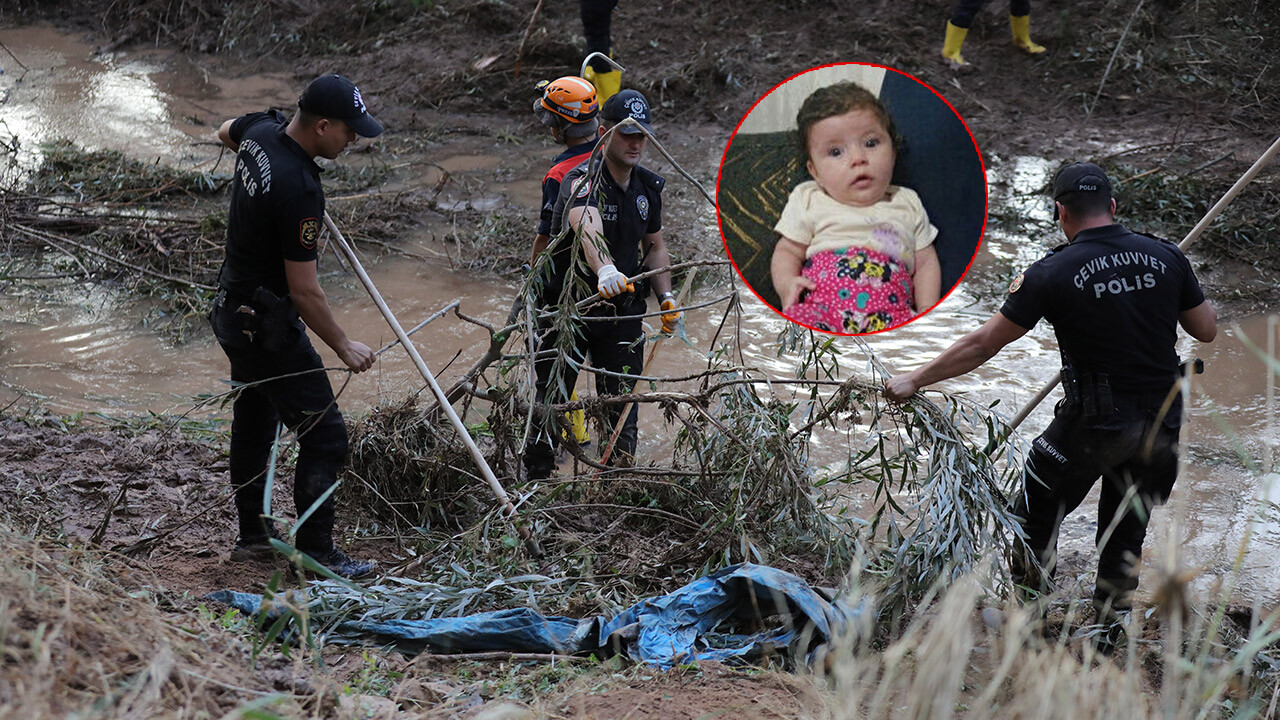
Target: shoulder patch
x,y
1016,284
584,189
308,232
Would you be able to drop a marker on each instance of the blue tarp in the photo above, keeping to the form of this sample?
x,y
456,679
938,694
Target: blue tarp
x,y
700,621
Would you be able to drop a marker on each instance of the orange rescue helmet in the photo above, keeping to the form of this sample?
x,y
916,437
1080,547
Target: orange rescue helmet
x,y
570,97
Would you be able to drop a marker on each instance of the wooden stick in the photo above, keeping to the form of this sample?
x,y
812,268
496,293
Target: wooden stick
x,y
498,492
1271,395
419,326
1089,110
653,353
1230,195
525,39
1191,237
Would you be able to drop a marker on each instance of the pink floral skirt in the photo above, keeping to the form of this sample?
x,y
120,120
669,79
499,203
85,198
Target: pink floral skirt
x,y
857,291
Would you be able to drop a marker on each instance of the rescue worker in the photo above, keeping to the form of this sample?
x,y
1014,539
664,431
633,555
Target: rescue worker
x,y
596,18
567,107
268,289
615,228
962,17
1115,299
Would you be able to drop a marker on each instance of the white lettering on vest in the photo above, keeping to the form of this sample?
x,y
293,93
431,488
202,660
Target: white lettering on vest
x,y
1124,284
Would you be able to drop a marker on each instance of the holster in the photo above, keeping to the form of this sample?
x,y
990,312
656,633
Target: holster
x,y
1070,386
275,317
642,286
1091,392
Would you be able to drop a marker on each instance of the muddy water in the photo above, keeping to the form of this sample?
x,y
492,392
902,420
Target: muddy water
x,y
84,348
153,105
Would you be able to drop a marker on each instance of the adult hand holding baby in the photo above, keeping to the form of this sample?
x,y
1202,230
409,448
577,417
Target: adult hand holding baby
x,y
792,289
790,284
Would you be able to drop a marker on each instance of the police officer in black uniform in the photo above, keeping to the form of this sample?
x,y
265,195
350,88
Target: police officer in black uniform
x,y
268,289
615,232
1115,299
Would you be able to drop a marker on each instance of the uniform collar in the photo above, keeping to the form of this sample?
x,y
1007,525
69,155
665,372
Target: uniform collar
x,y
307,161
1099,233
576,150
637,174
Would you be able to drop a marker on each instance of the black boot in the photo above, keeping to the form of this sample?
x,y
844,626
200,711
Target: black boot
x,y
341,564
255,545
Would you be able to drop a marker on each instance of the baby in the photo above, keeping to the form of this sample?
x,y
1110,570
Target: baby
x,y
855,253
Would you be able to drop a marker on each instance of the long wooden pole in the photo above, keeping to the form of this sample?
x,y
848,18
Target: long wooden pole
x,y
653,353
498,492
1191,237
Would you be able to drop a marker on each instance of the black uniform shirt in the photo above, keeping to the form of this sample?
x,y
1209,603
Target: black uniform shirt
x,y
627,217
1113,298
276,206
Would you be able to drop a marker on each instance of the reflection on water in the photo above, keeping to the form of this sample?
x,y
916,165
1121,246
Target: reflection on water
x,y
86,349
151,107
104,101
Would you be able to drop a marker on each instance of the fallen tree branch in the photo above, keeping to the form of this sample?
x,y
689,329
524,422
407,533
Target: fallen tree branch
x,y
47,237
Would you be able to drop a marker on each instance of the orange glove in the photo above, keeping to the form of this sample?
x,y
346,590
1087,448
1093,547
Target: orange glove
x,y
670,316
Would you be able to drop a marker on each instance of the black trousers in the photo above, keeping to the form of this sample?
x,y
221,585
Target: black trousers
x,y
1137,458
304,403
964,10
596,18
614,345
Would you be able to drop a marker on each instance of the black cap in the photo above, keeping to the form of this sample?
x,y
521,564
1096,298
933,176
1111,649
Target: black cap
x,y
334,96
1079,177
628,104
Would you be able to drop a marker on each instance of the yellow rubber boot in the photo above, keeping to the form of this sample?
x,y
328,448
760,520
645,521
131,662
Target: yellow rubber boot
x,y
1021,27
607,83
577,422
951,46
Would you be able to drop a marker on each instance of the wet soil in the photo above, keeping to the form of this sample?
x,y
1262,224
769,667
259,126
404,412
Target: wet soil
x,y
151,495
155,503
1190,84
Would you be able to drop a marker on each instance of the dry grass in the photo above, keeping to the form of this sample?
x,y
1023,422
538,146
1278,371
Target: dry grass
x,y
949,663
80,640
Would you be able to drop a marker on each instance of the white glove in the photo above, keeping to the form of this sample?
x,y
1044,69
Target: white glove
x,y
610,282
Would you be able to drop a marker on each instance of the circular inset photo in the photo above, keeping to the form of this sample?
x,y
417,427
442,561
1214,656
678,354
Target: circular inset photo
x,y
852,198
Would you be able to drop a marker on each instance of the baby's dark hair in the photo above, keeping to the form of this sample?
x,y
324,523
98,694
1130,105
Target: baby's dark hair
x,y
838,99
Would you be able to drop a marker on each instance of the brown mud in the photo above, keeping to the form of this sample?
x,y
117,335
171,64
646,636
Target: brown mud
x,y
1190,85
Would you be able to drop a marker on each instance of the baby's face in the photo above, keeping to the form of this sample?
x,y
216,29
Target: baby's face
x,y
851,157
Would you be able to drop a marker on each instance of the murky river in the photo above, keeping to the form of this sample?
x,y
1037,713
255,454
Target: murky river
x,y
82,348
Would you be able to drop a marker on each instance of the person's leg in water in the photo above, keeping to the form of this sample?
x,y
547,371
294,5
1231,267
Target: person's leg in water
x,y
540,451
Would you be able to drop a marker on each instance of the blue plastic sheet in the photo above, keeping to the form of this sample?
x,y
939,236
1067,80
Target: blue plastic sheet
x,y
703,620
